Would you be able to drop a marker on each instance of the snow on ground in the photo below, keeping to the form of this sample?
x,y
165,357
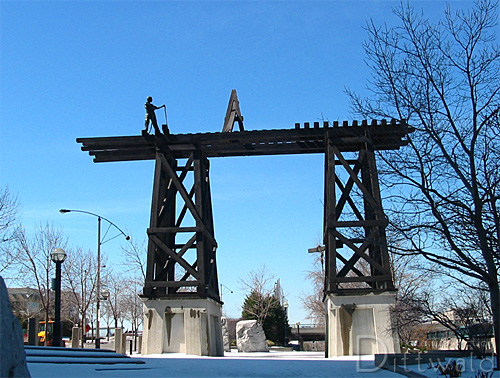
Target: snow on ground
x,y
240,365
470,367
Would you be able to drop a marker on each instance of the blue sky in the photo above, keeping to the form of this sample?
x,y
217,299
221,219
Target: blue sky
x,y
84,69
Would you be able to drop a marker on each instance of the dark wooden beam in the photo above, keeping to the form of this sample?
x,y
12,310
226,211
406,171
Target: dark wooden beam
x,y
165,254
249,143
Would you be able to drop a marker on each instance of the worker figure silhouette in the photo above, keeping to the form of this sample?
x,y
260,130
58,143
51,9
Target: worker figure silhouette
x,y
151,116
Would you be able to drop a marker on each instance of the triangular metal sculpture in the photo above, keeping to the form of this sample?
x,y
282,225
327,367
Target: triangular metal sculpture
x,y
233,114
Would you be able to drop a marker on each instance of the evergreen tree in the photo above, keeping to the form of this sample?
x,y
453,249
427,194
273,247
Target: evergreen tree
x,y
269,313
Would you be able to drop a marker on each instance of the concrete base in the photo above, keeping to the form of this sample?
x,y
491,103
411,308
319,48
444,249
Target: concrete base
x,y
75,337
190,326
360,324
119,344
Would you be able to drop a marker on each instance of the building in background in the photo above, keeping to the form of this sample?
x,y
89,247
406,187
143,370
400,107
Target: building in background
x,y
26,302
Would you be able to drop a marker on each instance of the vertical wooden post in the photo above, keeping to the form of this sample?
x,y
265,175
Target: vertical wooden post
x,y
200,235
345,221
198,278
374,212
330,217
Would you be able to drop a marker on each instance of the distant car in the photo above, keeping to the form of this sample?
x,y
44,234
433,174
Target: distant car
x,y
294,344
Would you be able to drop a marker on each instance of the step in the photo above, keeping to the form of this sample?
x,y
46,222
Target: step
x,y
52,355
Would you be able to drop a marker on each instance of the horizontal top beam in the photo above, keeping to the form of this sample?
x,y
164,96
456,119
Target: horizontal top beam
x,y
300,140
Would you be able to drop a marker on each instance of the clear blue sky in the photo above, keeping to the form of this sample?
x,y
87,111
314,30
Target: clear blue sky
x,y
84,69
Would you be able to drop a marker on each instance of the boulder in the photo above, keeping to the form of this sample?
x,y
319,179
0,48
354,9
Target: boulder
x,y
12,354
225,335
250,337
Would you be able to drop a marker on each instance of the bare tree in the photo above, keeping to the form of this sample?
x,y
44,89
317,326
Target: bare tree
x,y
117,292
135,259
80,278
314,302
132,306
259,292
35,265
444,78
9,228
464,313
70,312
411,281
476,303
127,303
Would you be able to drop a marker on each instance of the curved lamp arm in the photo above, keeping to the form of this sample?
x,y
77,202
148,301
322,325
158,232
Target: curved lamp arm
x,y
64,211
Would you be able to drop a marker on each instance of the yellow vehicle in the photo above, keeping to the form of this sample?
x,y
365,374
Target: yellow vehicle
x,y
44,333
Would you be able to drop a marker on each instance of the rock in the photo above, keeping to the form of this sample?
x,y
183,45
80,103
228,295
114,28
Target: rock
x,y
12,354
225,335
250,337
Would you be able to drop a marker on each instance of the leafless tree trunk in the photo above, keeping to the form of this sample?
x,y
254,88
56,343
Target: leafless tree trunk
x,y
80,278
135,259
411,281
444,78
117,293
9,228
405,276
35,265
257,287
466,315
132,305
314,302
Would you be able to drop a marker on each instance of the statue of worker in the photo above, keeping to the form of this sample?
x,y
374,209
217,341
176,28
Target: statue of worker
x,y
150,115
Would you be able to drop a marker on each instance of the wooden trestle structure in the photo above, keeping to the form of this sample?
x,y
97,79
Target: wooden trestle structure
x,y
181,232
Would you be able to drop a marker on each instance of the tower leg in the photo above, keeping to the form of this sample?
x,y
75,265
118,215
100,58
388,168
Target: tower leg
x,y
358,286
360,324
183,325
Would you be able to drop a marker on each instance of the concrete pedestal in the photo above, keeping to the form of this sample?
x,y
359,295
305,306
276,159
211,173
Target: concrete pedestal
x,y
360,324
119,345
190,326
75,337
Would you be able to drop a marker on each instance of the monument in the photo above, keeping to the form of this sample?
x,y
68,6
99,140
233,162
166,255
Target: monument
x,y
181,298
359,290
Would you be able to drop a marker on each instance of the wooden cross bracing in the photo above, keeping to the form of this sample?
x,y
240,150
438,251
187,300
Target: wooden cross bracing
x,y
182,248
357,258
170,272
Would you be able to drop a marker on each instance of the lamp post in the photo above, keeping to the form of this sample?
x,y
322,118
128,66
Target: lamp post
x,y
99,243
58,256
298,334
105,296
285,306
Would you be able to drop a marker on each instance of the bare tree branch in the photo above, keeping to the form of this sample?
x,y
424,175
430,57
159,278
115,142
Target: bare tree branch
x,y
444,78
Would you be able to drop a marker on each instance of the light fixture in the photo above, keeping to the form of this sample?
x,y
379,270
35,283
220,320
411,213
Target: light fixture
x,y
58,255
105,294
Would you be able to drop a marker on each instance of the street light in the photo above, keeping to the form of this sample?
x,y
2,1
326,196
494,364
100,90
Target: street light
x,y
298,334
221,286
105,296
99,243
285,306
58,256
